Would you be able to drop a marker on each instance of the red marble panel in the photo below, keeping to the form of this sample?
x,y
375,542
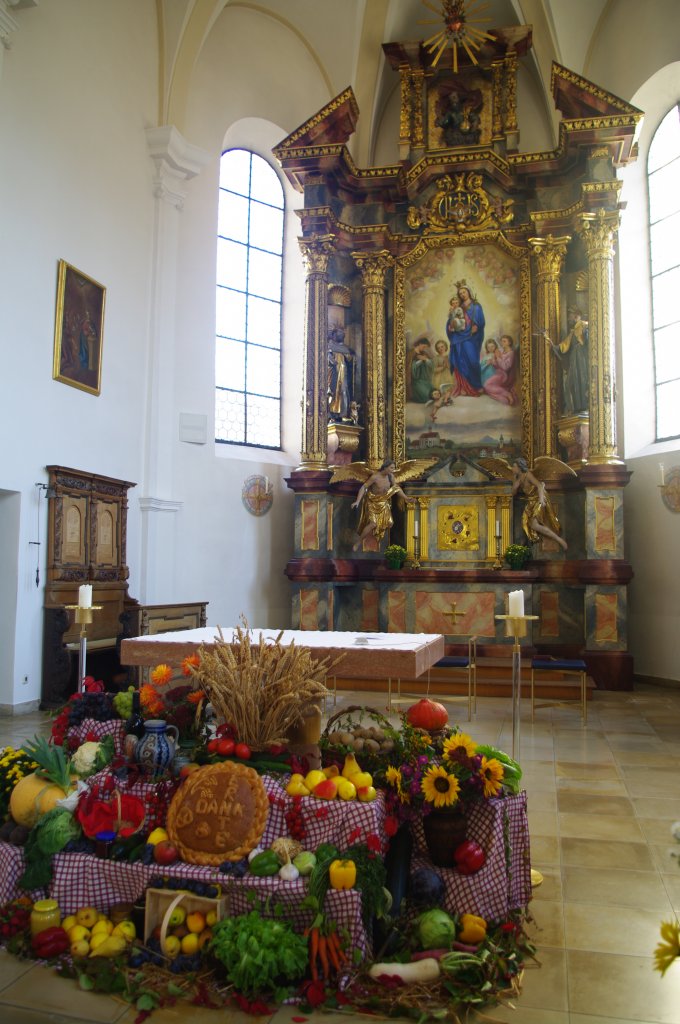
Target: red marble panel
x,y
309,609
474,613
310,525
605,534
606,606
549,610
369,611
396,613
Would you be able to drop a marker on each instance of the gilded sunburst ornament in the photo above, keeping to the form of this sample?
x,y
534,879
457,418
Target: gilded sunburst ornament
x,y
459,29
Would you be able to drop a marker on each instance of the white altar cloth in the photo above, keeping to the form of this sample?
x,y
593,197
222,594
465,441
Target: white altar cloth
x,y
364,655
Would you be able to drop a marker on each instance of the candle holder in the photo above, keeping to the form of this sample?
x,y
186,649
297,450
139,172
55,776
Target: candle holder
x,y
414,563
83,617
498,564
516,627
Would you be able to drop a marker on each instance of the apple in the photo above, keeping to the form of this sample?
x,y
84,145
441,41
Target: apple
x,y
80,948
165,852
178,916
196,921
366,794
172,946
78,933
346,789
326,790
87,916
190,943
211,918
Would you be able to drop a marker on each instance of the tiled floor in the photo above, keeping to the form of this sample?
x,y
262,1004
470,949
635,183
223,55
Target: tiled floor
x,y
601,802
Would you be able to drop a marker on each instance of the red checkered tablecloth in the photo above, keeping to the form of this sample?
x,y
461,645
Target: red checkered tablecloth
x,y
504,882
115,727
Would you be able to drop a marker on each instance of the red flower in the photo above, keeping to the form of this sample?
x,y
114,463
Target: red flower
x,y
373,843
390,825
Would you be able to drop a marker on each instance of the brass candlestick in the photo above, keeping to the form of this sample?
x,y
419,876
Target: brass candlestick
x,y
83,617
498,564
516,626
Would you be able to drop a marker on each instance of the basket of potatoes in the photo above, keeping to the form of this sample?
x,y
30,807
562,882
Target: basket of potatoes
x,y
362,731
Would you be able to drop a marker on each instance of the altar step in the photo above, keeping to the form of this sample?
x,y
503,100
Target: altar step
x,y
494,679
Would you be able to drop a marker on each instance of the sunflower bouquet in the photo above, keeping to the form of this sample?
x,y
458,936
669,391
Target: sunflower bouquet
x,y
451,775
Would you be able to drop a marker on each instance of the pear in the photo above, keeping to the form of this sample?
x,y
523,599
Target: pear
x,y
350,766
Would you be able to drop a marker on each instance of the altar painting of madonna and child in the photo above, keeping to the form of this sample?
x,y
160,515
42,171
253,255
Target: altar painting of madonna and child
x,y
462,366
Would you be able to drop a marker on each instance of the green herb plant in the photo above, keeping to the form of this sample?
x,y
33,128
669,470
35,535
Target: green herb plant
x,y
260,955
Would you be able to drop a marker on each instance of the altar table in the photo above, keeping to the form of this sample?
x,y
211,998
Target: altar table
x,y
364,655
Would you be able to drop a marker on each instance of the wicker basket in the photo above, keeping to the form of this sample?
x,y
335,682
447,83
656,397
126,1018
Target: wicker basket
x,y
359,718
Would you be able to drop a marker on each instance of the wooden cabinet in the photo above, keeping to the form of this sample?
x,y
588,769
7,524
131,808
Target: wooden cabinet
x,y
86,543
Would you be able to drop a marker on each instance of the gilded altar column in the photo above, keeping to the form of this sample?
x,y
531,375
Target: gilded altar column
x,y
549,254
316,253
598,231
373,269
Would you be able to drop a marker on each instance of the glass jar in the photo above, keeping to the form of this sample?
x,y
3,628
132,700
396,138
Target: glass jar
x,y
45,914
120,912
103,841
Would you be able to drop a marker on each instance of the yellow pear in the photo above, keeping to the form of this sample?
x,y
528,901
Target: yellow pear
x,y
331,771
362,779
350,767
96,940
297,789
102,927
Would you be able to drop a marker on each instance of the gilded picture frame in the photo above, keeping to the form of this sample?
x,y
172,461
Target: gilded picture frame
x,y
79,329
486,417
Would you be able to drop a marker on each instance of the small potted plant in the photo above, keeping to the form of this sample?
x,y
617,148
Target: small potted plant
x,y
395,556
517,555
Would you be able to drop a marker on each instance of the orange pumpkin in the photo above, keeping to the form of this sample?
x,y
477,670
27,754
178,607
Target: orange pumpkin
x,y
427,714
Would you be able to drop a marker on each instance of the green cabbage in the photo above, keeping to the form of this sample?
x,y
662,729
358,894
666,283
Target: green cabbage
x,y
436,929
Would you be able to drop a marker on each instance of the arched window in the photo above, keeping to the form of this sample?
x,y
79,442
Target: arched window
x,y
248,302
663,170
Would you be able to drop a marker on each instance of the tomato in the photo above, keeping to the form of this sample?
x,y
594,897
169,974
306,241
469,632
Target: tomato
x,y
469,857
212,746
225,748
243,751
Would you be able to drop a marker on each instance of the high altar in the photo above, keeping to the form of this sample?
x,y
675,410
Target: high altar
x,y
460,307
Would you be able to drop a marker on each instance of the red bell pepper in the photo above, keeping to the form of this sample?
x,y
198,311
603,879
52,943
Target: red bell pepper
x,y
50,942
469,857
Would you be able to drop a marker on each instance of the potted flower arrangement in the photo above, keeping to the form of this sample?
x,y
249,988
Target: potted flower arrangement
x,y
395,556
437,783
517,555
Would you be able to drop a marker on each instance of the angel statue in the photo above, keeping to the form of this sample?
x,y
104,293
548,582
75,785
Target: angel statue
x,y
538,517
377,489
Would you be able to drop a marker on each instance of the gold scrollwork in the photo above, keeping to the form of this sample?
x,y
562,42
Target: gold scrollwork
x,y
461,203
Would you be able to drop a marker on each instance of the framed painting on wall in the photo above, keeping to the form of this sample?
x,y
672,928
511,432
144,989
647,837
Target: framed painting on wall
x,y
78,332
461,366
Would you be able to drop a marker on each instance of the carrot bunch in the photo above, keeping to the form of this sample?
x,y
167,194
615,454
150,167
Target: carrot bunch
x,y
326,955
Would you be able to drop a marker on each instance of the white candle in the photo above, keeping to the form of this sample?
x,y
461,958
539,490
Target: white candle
x,y
498,528
85,595
663,475
516,603
415,529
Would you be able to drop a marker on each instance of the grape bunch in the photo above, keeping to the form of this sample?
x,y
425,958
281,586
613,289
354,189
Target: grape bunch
x,y
236,869
122,702
14,918
94,705
185,884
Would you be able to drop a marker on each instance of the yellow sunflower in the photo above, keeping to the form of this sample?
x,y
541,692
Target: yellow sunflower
x,y
491,771
459,743
393,776
440,788
668,950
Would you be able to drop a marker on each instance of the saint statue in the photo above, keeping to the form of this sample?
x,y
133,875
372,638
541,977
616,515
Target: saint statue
x,y
340,376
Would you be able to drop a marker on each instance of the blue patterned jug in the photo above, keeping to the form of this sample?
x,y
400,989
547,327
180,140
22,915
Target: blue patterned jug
x,y
155,751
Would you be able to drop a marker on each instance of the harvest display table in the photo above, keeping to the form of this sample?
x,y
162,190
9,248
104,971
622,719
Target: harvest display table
x,y
499,825
364,655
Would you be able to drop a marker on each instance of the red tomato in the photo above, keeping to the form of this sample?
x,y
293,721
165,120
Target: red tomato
x,y
212,746
225,748
469,857
243,751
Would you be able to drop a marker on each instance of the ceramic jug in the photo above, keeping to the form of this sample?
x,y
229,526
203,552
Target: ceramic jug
x,y
155,751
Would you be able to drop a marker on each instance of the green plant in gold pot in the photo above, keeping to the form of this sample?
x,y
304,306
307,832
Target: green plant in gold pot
x,y
517,555
395,556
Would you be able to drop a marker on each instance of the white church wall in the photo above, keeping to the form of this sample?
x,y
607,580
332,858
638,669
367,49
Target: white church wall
x,y
78,88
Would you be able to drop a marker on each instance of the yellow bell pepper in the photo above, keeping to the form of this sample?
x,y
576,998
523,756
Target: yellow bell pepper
x,y
342,874
472,929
